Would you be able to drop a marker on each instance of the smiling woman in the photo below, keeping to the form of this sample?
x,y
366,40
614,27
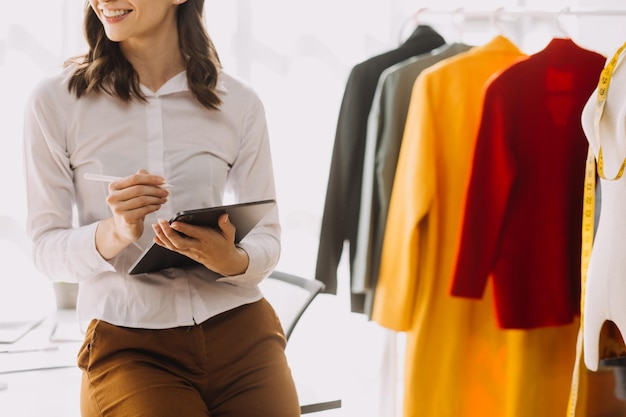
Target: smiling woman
x,y
195,340
145,32
32,48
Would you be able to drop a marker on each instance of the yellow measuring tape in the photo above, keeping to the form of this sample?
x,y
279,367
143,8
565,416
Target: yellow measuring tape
x,y
587,243
603,91
588,220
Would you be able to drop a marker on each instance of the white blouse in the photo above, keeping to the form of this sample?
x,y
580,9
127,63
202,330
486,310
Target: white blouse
x,y
205,154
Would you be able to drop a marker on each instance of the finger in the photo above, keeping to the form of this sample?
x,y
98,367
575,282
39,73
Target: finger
x,y
172,238
159,236
133,200
228,229
141,177
137,196
162,236
136,215
188,230
144,177
126,182
131,212
194,232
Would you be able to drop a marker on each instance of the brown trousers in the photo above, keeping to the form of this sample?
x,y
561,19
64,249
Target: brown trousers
x,y
232,365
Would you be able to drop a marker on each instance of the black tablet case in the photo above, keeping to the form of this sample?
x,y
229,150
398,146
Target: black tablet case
x,y
245,216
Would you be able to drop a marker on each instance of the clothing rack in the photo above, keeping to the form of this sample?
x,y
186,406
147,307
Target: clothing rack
x,y
515,12
460,16
495,16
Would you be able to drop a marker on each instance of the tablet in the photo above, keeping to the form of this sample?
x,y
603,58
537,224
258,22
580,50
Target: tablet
x,y
245,216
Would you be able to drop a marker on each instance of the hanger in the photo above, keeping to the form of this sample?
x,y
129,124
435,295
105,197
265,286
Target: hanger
x,y
416,16
458,17
559,24
414,20
495,20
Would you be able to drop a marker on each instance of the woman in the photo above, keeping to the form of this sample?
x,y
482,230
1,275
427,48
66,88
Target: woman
x,y
149,102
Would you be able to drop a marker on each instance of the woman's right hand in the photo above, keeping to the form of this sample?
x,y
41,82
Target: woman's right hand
x,y
130,200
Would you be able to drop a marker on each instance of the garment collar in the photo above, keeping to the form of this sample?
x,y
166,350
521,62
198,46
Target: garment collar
x,y
500,43
420,32
177,84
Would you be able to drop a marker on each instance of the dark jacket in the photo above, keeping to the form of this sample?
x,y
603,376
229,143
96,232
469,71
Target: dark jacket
x,y
343,195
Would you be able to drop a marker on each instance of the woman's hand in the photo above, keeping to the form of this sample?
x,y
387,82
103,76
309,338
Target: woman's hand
x,y
130,200
213,248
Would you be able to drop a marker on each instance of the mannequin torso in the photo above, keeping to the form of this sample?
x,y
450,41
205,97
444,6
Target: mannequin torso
x,y
606,277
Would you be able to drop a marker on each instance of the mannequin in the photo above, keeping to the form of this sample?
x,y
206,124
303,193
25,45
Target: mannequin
x,y
605,287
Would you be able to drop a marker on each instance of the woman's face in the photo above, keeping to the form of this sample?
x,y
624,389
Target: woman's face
x,y
136,19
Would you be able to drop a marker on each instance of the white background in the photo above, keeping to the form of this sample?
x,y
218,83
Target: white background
x,y
297,55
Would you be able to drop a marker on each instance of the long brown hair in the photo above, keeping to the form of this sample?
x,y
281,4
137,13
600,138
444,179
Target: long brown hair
x,y
105,69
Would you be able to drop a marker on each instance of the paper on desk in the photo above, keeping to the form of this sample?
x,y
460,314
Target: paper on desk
x,y
12,331
63,357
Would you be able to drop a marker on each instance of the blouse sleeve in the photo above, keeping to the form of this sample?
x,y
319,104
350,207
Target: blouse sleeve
x,y
251,178
60,251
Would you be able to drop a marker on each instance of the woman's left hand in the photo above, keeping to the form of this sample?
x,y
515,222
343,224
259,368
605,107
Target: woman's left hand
x,y
213,248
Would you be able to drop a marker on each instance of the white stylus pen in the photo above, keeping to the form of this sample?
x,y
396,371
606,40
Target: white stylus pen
x,y
109,178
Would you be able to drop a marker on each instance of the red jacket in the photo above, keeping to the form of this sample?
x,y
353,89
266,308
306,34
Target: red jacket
x,y
523,208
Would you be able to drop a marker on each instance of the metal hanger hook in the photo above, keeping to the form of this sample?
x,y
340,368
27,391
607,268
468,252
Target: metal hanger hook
x,y
559,24
495,20
458,17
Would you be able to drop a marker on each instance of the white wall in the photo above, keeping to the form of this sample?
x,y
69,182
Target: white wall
x,y
297,55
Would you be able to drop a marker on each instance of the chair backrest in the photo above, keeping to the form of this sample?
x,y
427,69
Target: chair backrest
x,y
290,295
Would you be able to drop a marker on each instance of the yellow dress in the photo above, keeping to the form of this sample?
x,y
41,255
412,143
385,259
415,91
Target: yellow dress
x,y
458,362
